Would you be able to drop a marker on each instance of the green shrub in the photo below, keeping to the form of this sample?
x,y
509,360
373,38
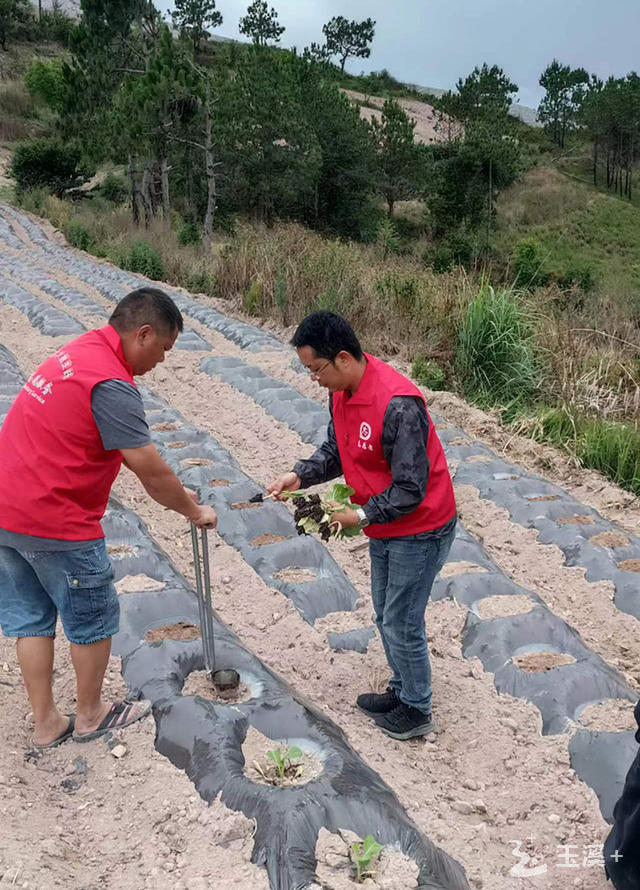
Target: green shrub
x,y
428,373
387,238
78,234
495,356
47,162
580,275
280,295
439,258
46,81
189,233
114,189
143,258
56,25
252,299
401,293
201,282
529,262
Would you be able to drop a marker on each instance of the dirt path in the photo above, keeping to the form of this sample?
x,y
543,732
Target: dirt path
x,y
484,782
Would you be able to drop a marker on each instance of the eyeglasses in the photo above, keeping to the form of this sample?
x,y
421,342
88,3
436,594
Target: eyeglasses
x,y
315,375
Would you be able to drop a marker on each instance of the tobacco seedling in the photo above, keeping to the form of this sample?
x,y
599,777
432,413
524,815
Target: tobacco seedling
x,y
363,854
283,757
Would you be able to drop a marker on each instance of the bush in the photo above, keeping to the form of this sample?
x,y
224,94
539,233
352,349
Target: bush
x,y
201,282
495,356
78,234
143,258
387,238
189,233
428,373
49,163
529,263
455,250
45,80
56,25
580,275
114,189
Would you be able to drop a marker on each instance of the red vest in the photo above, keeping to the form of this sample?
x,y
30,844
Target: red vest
x,y
358,426
55,476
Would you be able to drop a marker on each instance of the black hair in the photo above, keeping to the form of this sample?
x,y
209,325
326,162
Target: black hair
x,y
146,305
327,334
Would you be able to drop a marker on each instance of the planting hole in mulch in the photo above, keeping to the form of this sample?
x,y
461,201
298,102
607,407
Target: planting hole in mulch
x,y
182,631
612,715
609,539
195,462
263,540
177,444
263,770
391,868
451,569
479,459
460,440
629,565
120,551
138,583
166,427
296,575
544,497
213,483
504,606
505,477
245,505
539,662
200,683
576,519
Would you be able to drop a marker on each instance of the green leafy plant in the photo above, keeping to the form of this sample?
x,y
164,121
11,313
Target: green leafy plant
x,y
529,263
114,189
313,513
282,758
189,233
362,854
78,235
428,373
143,258
47,163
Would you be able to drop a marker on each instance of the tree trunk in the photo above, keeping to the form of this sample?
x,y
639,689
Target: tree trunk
x,y
135,212
344,59
164,176
211,175
595,162
145,192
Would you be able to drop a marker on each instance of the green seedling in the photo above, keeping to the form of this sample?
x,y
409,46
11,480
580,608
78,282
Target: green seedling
x,y
363,854
282,758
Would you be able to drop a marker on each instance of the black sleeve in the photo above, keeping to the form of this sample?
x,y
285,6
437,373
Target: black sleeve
x,y
324,464
118,411
404,443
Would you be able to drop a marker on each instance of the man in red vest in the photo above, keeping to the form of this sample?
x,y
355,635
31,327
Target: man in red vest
x,y
73,424
383,441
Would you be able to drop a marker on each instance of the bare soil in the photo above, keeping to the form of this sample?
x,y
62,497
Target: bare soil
x,y
200,683
474,786
179,631
262,769
539,662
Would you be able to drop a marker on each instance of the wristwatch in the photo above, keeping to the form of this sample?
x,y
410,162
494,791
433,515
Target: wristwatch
x,y
362,516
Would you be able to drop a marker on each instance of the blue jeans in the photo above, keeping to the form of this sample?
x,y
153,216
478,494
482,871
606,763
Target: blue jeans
x,y
78,584
402,574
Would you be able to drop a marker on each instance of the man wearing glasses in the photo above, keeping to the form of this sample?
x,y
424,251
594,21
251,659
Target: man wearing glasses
x,y
382,440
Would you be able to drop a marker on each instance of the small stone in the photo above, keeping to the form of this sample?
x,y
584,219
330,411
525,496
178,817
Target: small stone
x,y
480,806
553,818
226,580
463,807
509,723
471,785
5,667
119,751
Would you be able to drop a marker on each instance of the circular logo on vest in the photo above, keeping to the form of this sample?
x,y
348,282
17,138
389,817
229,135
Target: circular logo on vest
x,y
365,431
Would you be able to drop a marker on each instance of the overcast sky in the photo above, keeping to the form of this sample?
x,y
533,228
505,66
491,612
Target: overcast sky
x,y
433,42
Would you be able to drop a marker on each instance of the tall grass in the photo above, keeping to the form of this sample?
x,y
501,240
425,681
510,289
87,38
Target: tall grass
x,y
496,356
611,448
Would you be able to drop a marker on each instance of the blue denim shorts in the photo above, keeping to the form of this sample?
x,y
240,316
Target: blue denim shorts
x,y
77,584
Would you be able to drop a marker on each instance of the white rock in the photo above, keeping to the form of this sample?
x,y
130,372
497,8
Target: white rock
x,y
553,818
463,807
509,723
119,751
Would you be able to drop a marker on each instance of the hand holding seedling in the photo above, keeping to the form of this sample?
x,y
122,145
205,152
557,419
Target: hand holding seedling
x,y
326,516
286,483
362,854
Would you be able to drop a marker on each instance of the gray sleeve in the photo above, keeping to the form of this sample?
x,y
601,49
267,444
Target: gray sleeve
x,y
324,464
404,443
119,415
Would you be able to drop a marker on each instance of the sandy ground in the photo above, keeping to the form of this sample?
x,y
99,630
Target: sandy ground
x,y
427,130
484,787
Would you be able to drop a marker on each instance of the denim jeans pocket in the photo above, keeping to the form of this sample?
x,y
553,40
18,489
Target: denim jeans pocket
x,y
89,592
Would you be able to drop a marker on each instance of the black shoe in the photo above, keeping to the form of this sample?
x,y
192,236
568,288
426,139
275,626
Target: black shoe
x,y
375,705
405,722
